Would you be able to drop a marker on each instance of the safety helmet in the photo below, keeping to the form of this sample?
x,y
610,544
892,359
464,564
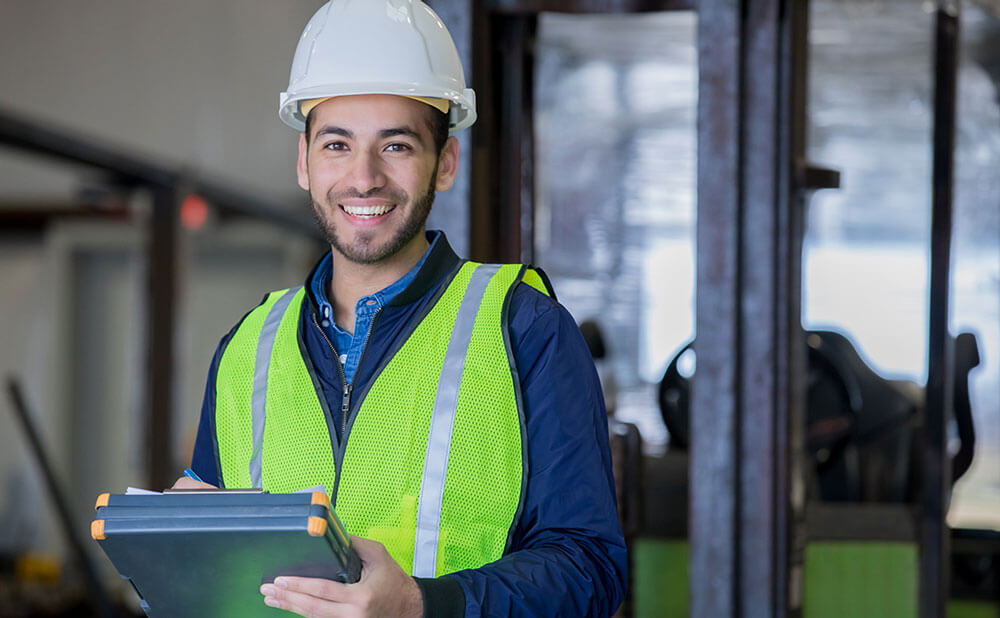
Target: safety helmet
x,y
396,47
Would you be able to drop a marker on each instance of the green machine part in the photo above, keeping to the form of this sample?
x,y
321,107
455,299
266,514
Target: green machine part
x,y
660,578
960,608
860,579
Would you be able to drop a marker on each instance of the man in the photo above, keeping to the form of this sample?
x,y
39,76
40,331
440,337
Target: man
x,y
449,408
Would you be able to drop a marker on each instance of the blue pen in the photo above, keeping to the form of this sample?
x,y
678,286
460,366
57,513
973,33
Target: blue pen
x,y
188,472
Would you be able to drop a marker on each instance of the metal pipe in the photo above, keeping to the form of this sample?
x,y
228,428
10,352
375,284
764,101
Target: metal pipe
x,y
516,136
161,292
934,553
98,594
714,471
747,389
66,145
590,6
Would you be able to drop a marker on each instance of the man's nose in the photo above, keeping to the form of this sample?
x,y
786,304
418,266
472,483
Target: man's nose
x,y
367,172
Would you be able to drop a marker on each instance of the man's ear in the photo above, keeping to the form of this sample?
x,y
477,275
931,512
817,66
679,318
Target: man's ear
x,y
447,165
302,166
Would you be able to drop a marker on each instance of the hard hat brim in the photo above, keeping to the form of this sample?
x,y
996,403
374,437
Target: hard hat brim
x,y
462,114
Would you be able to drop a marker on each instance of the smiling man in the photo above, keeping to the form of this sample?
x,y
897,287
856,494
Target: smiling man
x,y
450,409
372,165
382,179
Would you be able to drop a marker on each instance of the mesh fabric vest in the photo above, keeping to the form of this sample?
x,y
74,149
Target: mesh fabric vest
x,y
433,465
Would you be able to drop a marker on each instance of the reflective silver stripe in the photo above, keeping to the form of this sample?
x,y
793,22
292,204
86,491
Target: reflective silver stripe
x,y
262,362
442,420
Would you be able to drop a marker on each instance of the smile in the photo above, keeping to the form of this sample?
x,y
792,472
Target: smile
x,y
367,212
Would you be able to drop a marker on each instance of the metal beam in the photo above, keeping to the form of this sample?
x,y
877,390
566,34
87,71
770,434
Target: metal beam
x,y
589,6
714,451
66,145
936,481
501,215
483,207
161,294
34,218
747,391
516,161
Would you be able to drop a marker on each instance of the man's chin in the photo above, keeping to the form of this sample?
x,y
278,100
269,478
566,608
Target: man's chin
x,y
363,255
365,251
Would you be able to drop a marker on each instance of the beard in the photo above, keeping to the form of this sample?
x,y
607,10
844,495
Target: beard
x,y
363,249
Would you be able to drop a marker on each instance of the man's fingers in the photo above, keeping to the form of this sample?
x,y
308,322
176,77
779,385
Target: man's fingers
x,y
322,588
286,587
301,603
189,483
384,590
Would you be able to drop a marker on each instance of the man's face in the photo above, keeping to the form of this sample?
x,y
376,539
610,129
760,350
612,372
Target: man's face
x,y
371,170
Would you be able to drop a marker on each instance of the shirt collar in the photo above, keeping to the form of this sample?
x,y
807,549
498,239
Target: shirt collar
x,y
319,283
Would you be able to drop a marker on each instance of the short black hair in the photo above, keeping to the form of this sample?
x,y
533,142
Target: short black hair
x,y
438,122
439,129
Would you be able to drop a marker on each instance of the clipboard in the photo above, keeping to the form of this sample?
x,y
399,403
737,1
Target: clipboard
x,y
206,553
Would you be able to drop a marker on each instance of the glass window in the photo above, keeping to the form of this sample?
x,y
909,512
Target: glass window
x,y
615,182
976,259
615,198
866,257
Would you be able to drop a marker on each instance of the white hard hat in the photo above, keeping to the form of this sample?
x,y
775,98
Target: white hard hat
x,y
377,47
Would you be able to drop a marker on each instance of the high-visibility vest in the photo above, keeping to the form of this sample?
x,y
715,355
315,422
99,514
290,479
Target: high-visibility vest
x,y
432,465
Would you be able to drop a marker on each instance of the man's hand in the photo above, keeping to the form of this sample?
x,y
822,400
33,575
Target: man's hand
x,y
189,483
384,590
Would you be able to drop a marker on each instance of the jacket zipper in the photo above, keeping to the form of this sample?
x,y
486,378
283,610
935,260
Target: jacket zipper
x,y
345,409
345,405
345,402
364,346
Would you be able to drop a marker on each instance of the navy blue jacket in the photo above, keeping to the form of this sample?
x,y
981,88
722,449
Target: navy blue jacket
x,y
568,554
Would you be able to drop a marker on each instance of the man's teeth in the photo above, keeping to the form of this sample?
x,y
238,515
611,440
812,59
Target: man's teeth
x,y
366,211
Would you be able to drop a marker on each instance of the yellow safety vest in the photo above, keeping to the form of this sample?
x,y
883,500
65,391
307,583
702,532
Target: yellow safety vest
x,y
432,464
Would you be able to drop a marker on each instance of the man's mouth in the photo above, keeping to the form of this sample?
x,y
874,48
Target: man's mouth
x,y
367,212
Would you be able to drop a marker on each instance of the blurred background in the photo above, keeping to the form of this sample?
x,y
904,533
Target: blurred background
x,y
148,199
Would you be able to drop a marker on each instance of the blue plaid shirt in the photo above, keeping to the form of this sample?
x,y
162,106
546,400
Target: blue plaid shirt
x,y
350,347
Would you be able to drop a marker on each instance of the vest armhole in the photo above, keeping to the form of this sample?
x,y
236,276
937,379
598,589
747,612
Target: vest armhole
x,y
536,278
515,376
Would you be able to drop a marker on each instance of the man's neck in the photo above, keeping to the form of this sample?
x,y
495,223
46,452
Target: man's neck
x,y
351,281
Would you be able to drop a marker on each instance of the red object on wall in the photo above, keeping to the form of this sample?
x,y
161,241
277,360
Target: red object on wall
x,y
194,212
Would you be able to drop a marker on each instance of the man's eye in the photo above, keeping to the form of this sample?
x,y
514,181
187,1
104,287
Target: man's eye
x,y
336,146
398,147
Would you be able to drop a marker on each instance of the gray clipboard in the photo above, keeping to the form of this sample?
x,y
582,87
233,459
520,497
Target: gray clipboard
x,y
206,553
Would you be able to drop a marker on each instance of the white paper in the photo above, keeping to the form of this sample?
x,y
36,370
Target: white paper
x,y
135,491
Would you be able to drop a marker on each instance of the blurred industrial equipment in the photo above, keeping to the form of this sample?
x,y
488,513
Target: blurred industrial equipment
x,y
862,430
33,586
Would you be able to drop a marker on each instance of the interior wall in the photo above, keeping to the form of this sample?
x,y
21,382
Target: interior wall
x,y
74,332
190,82
24,318
194,84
